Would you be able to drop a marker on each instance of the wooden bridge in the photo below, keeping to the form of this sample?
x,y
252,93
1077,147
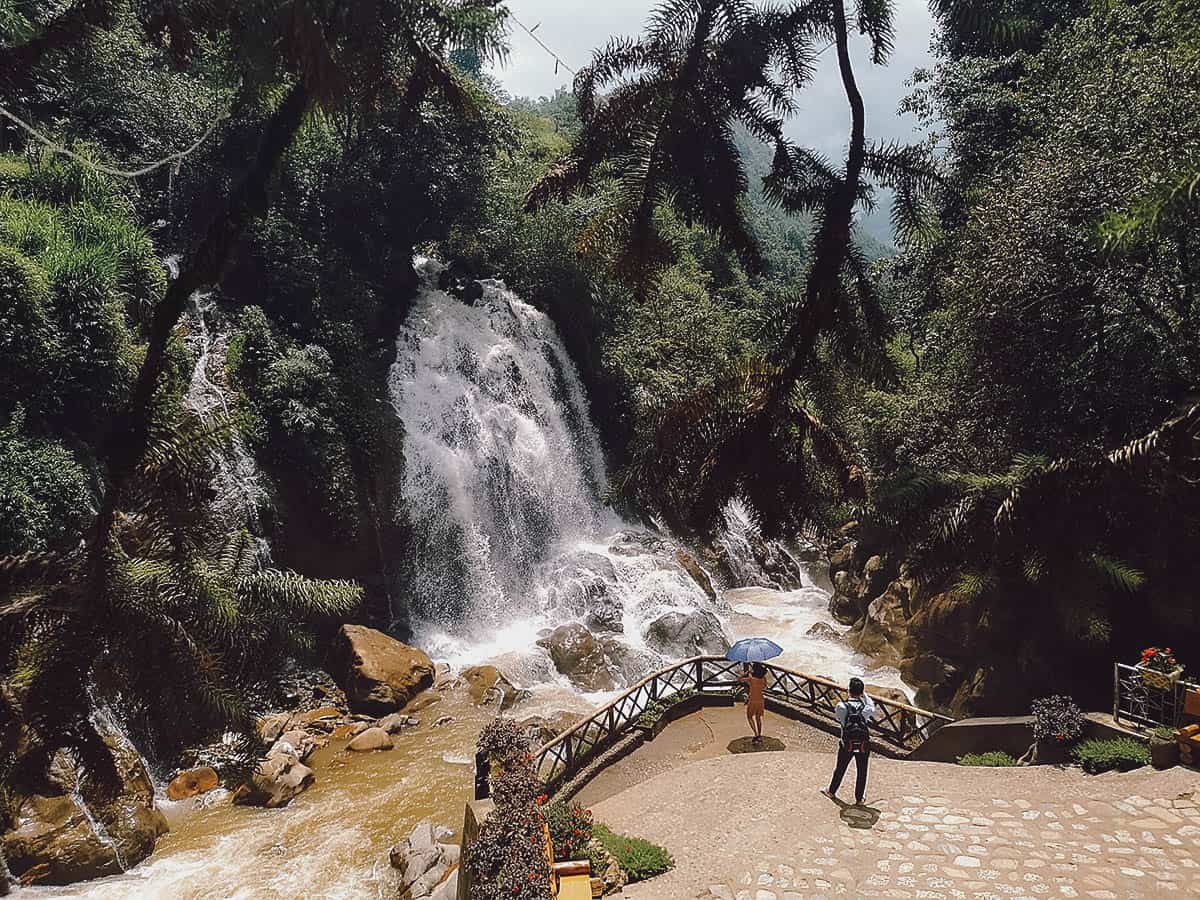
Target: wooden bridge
x,y
902,726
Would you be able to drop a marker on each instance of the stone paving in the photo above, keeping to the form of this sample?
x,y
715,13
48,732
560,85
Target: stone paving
x,y
754,828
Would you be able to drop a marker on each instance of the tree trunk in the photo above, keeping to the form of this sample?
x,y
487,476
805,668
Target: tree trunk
x,y
833,239
247,201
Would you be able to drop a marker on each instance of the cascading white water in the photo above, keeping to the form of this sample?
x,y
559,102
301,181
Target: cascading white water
x,y
503,485
237,486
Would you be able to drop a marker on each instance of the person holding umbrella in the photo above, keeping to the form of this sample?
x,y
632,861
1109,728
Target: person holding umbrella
x,y
754,651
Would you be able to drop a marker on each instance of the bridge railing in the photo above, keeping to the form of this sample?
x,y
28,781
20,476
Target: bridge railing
x,y
899,724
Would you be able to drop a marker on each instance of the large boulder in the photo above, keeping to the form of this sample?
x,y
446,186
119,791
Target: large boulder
x,y
951,625
371,739
75,831
279,779
682,635
489,686
883,634
581,585
379,674
193,783
593,663
427,863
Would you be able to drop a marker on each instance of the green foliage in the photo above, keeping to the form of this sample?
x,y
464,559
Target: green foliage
x,y
77,279
1123,754
1163,734
570,830
656,709
992,758
641,859
44,494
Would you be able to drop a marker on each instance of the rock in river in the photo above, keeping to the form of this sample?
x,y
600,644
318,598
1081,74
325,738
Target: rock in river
x,y
686,634
379,674
371,739
71,832
488,685
594,663
280,778
193,783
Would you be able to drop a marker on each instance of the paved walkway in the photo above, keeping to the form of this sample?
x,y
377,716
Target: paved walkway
x,y
753,827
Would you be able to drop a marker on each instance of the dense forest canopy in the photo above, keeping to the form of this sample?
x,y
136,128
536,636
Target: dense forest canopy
x,y
1004,407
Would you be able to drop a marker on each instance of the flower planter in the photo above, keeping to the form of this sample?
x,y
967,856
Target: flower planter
x,y
1164,754
683,708
1162,681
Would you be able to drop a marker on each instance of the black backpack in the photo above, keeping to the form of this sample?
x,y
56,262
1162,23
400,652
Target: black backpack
x,y
855,730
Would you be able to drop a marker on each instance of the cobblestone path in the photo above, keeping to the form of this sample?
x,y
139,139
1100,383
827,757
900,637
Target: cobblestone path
x,y
754,828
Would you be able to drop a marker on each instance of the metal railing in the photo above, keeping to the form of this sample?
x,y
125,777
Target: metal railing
x,y
899,724
1142,704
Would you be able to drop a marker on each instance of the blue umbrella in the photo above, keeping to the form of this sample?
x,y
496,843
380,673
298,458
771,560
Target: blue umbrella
x,y
753,650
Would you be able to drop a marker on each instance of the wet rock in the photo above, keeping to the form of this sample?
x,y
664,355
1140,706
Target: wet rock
x,y
272,726
74,831
895,695
692,566
344,732
300,743
882,634
543,729
193,783
329,714
371,739
443,722
5,876
824,630
592,663
427,863
581,585
379,674
423,702
397,722
489,686
279,779
685,634
935,679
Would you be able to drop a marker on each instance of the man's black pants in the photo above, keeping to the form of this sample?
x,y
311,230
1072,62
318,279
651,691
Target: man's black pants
x,y
862,757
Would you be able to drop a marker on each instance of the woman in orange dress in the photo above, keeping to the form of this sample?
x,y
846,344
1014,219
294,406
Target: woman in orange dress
x,y
756,680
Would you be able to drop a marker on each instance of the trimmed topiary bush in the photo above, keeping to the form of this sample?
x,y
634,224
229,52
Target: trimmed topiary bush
x,y
1097,756
639,858
994,758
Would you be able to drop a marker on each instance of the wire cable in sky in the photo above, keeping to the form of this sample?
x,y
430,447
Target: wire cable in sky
x,y
558,60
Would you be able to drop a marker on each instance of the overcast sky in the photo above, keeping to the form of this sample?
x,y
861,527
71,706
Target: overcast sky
x,y
574,28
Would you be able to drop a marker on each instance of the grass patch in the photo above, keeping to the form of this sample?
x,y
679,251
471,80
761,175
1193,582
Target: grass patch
x,y
1097,756
640,859
994,758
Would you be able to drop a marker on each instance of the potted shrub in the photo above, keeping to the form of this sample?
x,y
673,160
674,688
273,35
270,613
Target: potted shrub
x,y
1057,724
1159,668
1164,748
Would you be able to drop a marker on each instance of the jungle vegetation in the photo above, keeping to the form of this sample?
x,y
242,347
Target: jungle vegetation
x,y
1008,396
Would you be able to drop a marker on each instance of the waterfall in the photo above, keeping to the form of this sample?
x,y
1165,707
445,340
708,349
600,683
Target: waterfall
x,y
502,463
238,490
503,491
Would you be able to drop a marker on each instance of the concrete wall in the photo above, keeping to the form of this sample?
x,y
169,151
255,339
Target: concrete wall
x,y
1011,734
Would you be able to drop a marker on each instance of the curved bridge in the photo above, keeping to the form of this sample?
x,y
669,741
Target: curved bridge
x,y
899,725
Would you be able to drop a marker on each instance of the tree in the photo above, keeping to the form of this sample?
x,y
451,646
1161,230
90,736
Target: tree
x,y
285,59
666,123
